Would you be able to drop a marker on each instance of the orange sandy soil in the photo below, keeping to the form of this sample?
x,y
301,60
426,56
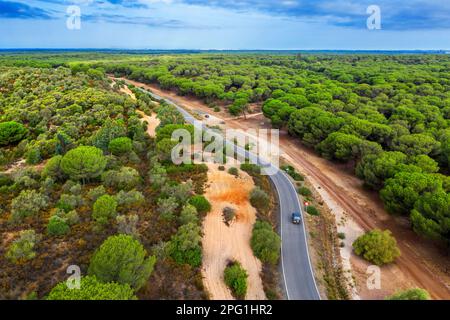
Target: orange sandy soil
x,y
422,263
222,243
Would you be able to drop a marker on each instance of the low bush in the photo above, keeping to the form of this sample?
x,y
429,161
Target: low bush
x,y
120,146
265,243
201,204
23,248
410,294
259,199
236,279
27,203
233,171
376,246
312,211
104,209
304,192
57,226
251,168
92,289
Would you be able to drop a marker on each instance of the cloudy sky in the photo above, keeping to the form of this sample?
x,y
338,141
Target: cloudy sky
x,y
225,24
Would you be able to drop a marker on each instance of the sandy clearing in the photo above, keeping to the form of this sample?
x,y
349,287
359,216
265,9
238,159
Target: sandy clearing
x,y
222,243
123,89
422,264
153,122
20,164
127,91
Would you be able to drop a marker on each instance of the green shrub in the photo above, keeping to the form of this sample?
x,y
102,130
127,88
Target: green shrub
x,y
105,208
122,259
33,155
201,204
53,168
164,149
27,203
128,199
304,192
312,211
266,244
377,246
128,225
259,199
184,247
236,279
124,179
57,226
233,171
341,235
11,132
5,180
69,202
70,217
167,207
290,170
189,214
92,289
110,130
251,168
96,193
22,249
410,294
120,146
83,163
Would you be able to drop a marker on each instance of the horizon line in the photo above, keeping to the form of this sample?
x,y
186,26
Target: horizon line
x,y
183,49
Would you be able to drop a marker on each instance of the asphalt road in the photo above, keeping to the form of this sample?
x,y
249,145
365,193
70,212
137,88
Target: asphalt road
x,y
298,275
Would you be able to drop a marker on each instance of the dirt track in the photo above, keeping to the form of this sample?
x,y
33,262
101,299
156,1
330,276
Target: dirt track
x,y
222,243
421,263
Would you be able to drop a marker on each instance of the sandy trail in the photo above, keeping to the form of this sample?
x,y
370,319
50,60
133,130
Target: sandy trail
x,y
421,264
153,122
222,243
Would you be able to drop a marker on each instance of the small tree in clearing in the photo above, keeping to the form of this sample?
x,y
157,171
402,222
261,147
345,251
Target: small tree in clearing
x,y
377,246
236,279
410,294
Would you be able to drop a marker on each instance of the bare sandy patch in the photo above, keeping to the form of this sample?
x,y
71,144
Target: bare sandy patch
x,y
222,243
153,122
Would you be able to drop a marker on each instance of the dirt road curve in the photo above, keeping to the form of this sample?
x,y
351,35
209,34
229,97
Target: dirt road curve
x,y
421,263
